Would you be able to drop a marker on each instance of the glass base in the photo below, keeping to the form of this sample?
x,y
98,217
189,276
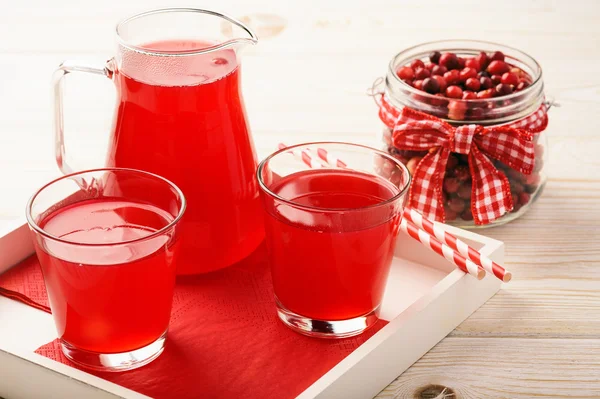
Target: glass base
x,y
324,328
114,361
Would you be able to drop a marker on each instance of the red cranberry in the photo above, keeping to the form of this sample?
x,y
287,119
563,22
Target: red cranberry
x,y
456,205
449,60
461,62
431,86
456,110
467,215
452,77
483,60
441,81
405,73
452,162
510,78
462,173
422,73
418,84
533,179
469,95
467,73
516,187
408,81
464,191
439,70
524,198
483,74
496,56
485,83
522,85
473,63
472,84
503,89
449,215
496,79
429,66
435,57
489,93
476,113
451,185
498,67
454,92
416,64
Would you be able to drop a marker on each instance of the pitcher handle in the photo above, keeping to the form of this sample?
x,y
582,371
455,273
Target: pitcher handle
x,y
57,82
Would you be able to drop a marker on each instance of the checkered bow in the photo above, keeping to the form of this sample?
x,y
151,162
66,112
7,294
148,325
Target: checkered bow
x,y
490,197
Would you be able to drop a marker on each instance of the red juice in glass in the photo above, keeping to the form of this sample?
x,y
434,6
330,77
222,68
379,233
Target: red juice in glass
x,y
117,301
109,263
190,127
331,235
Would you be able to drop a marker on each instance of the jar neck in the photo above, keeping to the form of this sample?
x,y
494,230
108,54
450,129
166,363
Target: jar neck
x,y
491,111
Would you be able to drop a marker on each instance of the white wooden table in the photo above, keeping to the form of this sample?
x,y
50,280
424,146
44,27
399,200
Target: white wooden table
x,y
306,80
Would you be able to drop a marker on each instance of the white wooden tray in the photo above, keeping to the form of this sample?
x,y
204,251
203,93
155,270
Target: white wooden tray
x,y
425,299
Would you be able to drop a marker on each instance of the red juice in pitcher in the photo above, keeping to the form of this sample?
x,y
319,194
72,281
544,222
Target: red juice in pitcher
x,y
118,298
325,265
190,127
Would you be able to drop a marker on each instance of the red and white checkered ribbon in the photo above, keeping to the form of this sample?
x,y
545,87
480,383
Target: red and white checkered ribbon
x,y
491,198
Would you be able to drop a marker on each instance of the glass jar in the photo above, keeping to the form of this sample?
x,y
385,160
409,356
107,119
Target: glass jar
x,y
525,189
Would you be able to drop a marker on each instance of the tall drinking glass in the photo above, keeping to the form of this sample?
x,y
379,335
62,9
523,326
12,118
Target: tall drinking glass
x,y
109,262
331,233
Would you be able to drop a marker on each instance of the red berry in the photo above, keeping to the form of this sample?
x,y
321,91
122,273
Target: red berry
x,y
469,95
473,63
533,179
451,185
452,162
418,84
422,73
456,110
472,84
524,198
516,187
466,215
483,74
464,191
476,113
435,57
452,77
489,93
456,205
522,85
405,73
485,83
461,62
482,58
439,70
415,64
496,79
441,81
498,67
412,164
454,92
503,89
429,66
496,56
467,73
510,78
462,173
449,60
449,215
431,86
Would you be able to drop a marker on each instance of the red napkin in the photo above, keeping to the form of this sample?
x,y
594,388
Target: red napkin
x,y
224,341
25,283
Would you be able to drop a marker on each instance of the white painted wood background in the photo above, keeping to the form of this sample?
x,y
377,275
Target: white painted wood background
x,y
306,80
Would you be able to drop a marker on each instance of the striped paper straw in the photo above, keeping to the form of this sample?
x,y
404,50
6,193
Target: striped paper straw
x,y
304,156
330,158
442,249
465,250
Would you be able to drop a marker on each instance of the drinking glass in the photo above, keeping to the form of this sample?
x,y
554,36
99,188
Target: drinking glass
x,y
107,241
332,217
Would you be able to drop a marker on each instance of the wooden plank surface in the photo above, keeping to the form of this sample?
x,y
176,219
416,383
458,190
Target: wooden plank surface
x,y
540,336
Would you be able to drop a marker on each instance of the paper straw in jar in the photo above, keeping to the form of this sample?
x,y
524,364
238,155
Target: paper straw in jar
x,y
304,156
456,244
444,250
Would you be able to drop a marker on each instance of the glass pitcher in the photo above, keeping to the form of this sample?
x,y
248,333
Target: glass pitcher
x,y
180,115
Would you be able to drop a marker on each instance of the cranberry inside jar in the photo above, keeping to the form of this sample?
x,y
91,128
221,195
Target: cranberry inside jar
x,y
475,82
